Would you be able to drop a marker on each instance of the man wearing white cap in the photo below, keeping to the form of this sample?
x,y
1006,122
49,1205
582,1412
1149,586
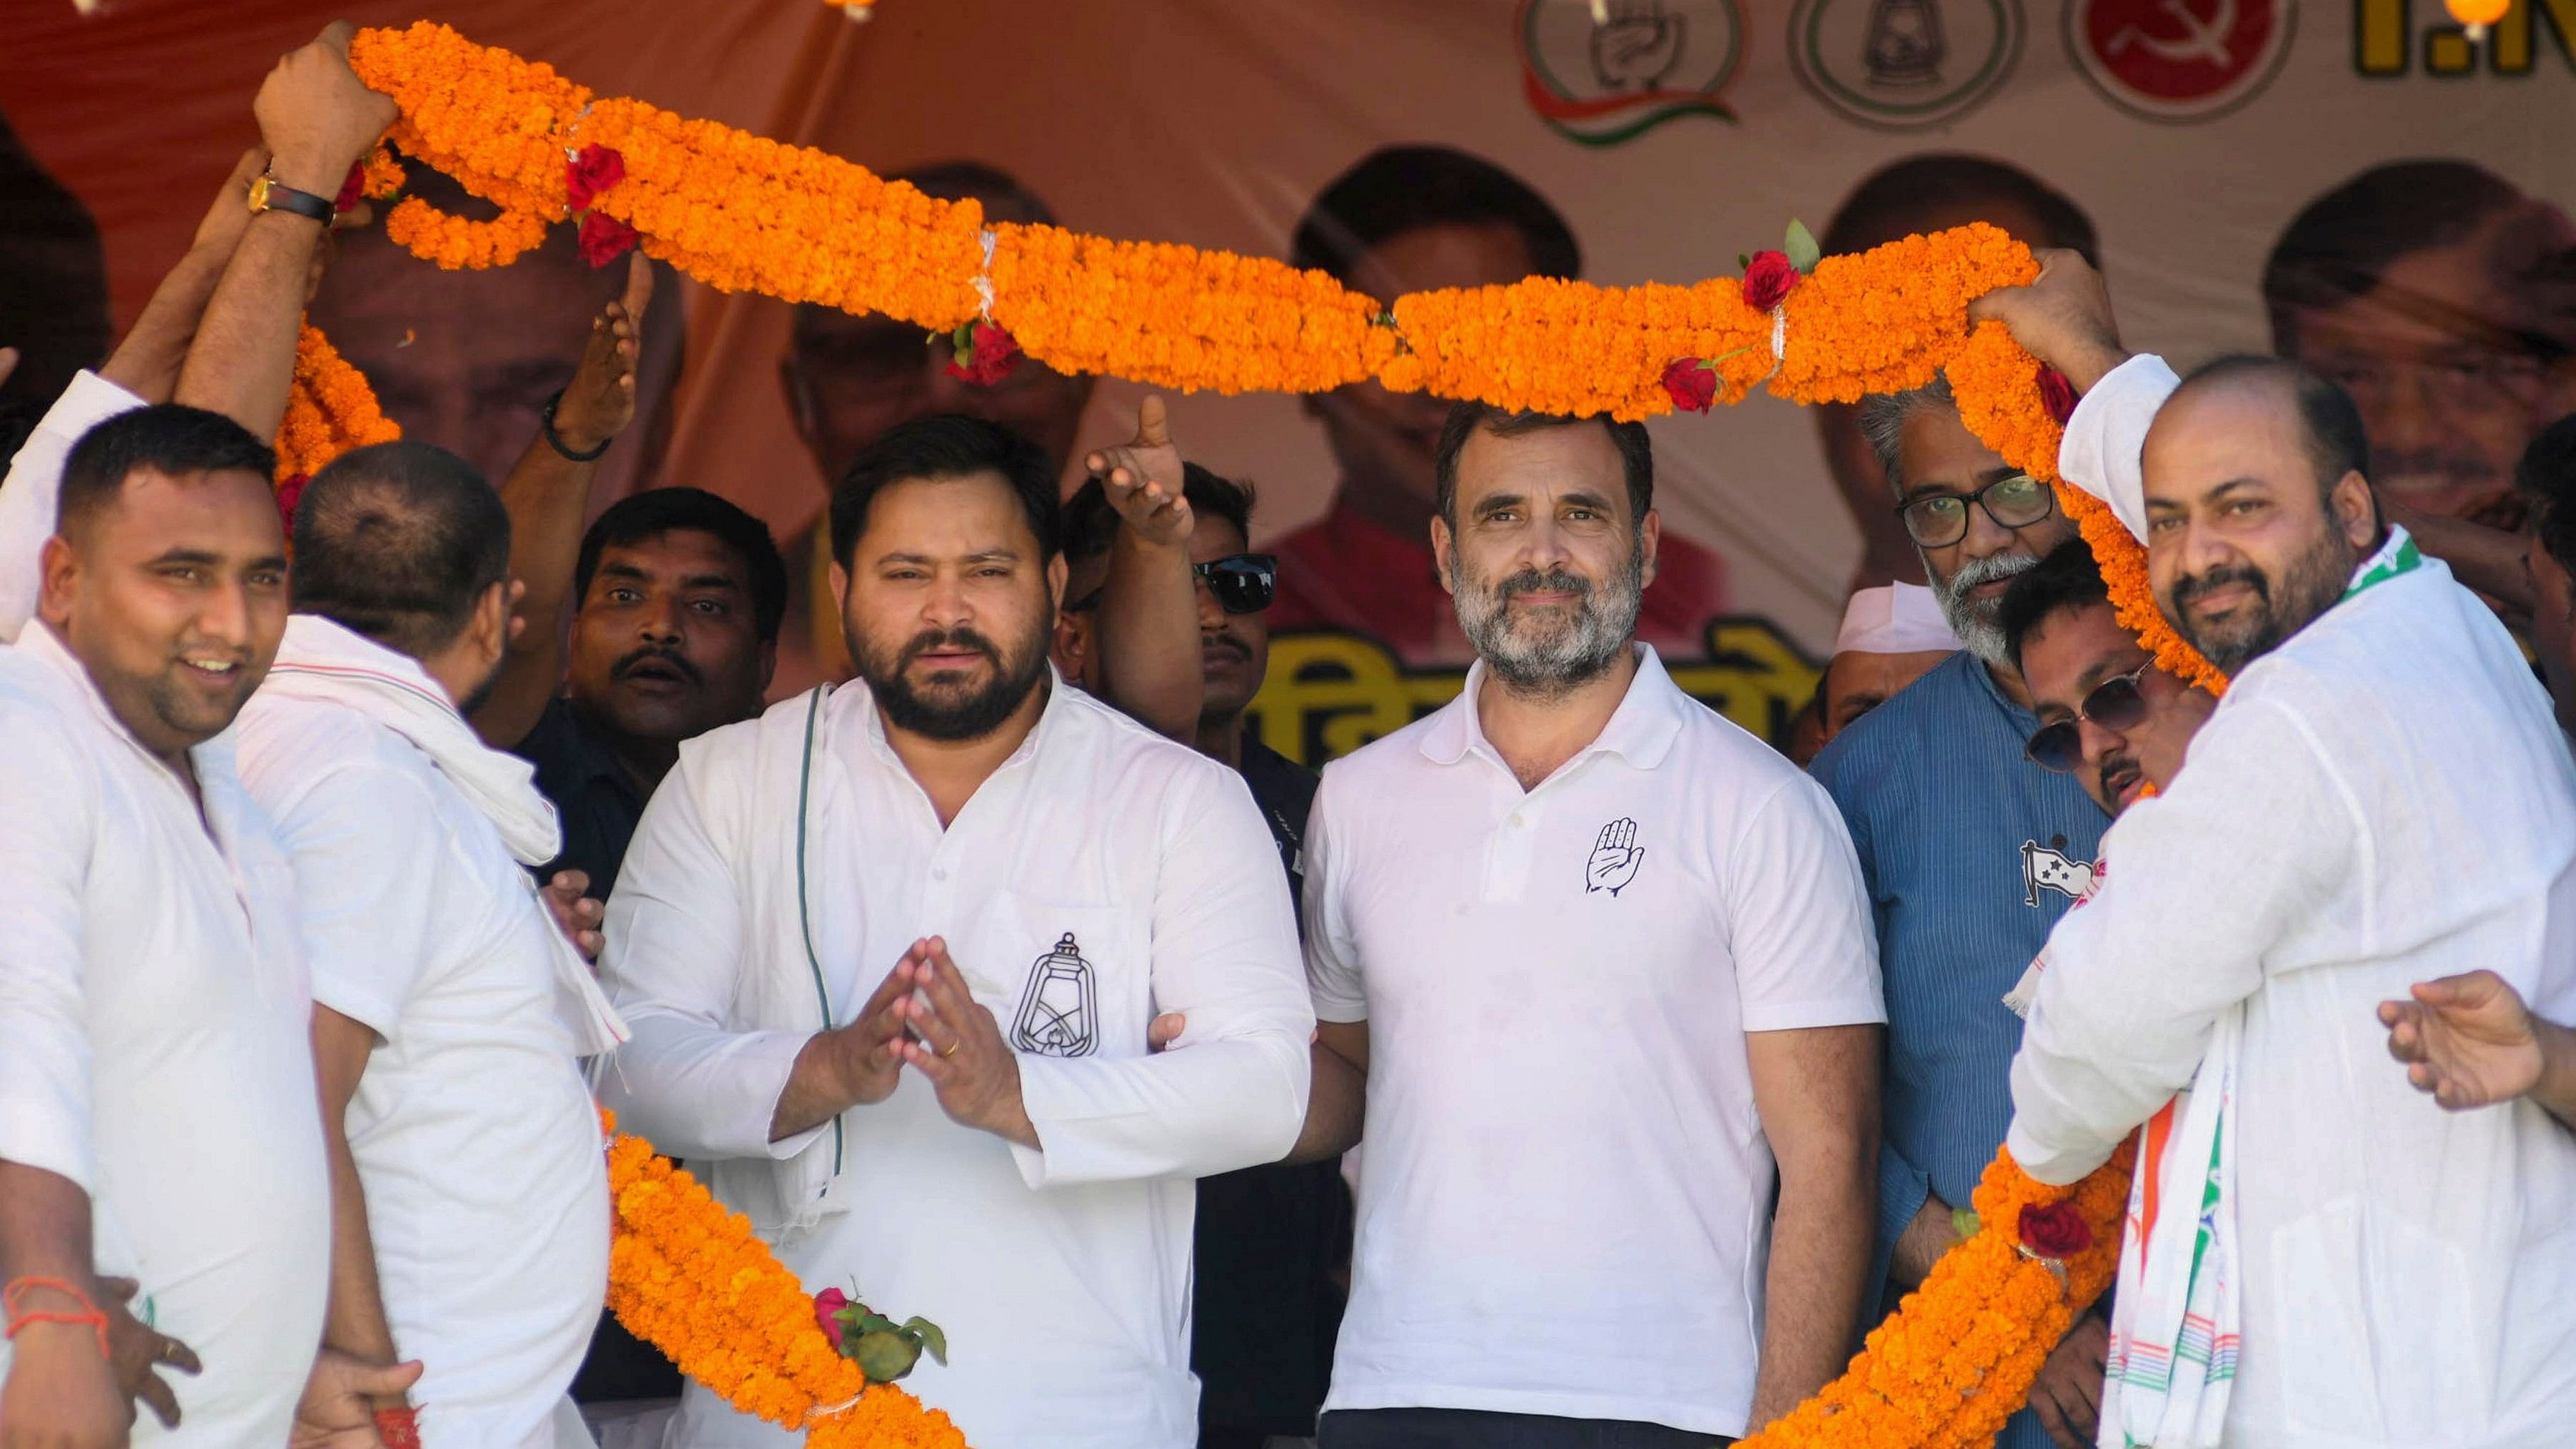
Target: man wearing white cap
x,y
1892,635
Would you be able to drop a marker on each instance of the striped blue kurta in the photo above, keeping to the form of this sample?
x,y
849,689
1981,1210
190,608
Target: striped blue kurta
x,y
1971,853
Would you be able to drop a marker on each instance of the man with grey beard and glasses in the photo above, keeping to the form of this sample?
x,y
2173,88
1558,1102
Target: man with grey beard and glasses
x,y
1970,851
1599,963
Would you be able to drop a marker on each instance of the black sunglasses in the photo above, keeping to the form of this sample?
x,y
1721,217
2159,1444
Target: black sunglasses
x,y
2115,704
1244,583
1938,520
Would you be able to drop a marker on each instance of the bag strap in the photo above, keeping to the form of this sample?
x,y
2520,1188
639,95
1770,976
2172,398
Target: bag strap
x,y
804,911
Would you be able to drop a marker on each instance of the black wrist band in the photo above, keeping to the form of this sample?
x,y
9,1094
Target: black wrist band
x,y
546,424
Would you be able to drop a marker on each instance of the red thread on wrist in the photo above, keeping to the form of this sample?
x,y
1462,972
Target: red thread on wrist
x,y
398,1428
19,1317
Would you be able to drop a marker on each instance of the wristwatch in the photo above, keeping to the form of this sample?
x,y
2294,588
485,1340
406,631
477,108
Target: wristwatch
x,y
271,195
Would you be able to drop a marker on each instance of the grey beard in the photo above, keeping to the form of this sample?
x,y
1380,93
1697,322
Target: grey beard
x,y
1978,623
1556,662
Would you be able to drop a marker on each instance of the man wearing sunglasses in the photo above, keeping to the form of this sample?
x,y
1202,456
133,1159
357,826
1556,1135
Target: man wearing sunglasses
x,y
1268,1239
1971,852
2108,716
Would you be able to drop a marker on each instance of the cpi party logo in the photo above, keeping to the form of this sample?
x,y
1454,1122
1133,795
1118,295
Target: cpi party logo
x,y
1606,71
1903,65
2179,60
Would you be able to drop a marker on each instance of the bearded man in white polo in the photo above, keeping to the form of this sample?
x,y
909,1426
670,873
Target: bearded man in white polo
x,y
890,953
1593,955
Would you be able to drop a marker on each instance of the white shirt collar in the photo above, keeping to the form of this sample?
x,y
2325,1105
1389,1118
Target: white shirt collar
x,y
41,642
1641,731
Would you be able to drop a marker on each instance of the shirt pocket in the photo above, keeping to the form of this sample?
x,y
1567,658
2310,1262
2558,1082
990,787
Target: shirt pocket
x,y
1062,980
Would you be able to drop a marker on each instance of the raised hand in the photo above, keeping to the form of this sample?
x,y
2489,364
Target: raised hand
x,y
576,912
2469,1040
1615,858
2063,317
600,400
1143,478
316,117
958,1045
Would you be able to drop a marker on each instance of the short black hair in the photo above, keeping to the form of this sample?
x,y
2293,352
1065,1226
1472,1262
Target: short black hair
x,y
1399,189
951,445
2329,421
2340,244
171,439
1889,203
2547,476
657,511
1091,525
2068,578
397,542
1636,450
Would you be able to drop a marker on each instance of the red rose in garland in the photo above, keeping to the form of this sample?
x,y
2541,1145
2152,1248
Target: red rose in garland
x,y
984,354
1692,383
289,493
2055,1231
595,169
604,238
2056,394
1768,280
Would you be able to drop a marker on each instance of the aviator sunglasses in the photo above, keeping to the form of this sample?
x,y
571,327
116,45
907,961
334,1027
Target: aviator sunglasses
x,y
2115,704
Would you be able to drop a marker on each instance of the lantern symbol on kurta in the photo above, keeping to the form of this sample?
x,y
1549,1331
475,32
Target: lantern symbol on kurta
x,y
1059,1016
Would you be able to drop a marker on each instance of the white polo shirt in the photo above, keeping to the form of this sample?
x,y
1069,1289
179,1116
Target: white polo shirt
x,y
473,1132
1567,1203
154,1043
1101,875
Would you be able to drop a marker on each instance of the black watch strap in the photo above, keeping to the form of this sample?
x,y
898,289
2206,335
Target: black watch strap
x,y
554,440
271,195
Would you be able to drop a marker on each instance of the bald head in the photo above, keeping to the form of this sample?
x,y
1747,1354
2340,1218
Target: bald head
x,y
2258,504
400,542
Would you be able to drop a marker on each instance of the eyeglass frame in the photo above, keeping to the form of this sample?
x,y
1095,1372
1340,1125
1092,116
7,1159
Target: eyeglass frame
x,y
1265,566
2084,715
2047,495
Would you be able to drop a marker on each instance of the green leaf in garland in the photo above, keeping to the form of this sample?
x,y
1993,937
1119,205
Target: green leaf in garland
x,y
1802,249
928,1335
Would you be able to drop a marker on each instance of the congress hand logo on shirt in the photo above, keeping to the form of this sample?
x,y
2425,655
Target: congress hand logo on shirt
x,y
1614,858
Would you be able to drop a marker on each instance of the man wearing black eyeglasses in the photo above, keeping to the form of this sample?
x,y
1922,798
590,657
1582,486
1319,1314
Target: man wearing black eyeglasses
x,y
1970,852
2107,715
1269,1239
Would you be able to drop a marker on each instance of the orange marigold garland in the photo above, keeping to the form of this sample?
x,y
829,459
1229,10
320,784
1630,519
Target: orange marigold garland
x,y
688,1277
330,410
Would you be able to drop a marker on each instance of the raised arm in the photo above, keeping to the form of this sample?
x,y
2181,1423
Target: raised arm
x,y
548,498
1146,638
316,119
147,362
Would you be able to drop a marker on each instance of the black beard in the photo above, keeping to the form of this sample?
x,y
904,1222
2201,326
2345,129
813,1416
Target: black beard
x,y
2309,586
968,717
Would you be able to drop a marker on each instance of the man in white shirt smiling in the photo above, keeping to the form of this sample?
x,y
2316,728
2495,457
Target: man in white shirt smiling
x,y
2373,1270
471,1201
890,953
1598,954
156,1092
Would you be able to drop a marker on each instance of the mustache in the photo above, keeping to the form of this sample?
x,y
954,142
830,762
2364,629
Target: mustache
x,y
1221,639
1555,581
654,653
929,639
2192,586
1990,569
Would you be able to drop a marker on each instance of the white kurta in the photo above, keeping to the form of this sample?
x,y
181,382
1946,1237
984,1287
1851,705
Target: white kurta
x,y
1100,876
2381,800
473,1132
153,1040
